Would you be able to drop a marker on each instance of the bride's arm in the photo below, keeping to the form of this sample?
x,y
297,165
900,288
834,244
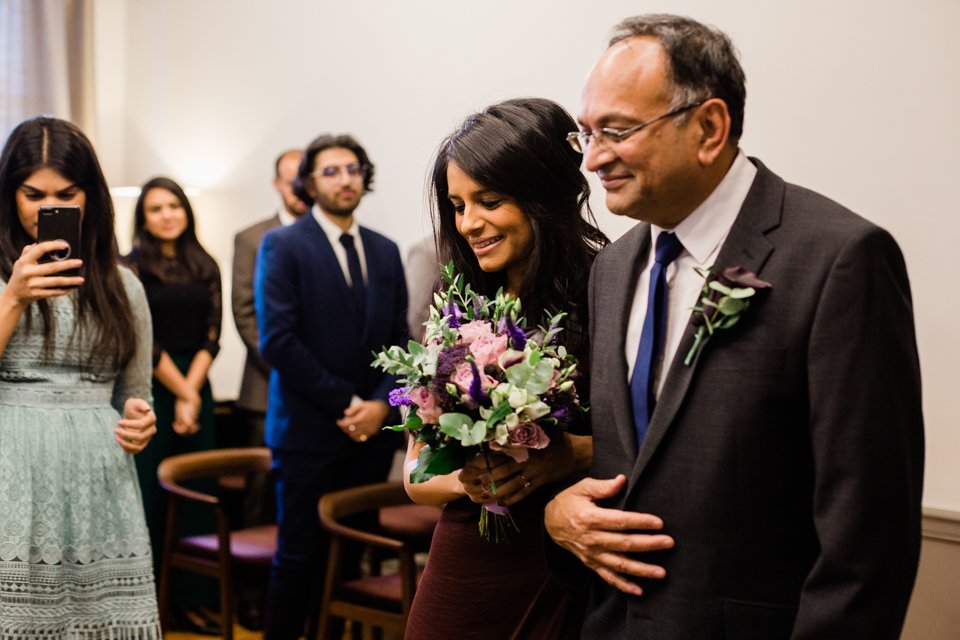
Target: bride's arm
x,y
438,490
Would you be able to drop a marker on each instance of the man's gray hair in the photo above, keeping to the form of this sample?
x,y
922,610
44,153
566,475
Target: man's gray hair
x,y
702,62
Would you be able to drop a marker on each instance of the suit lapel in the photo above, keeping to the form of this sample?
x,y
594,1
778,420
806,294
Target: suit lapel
x,y
747,246
329,264
374,269
619,297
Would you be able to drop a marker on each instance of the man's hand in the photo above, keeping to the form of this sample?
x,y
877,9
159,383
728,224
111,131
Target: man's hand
x,y
137,427
600,537
363,420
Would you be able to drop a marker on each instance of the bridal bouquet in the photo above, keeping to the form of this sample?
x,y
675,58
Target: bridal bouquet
x,y
481,382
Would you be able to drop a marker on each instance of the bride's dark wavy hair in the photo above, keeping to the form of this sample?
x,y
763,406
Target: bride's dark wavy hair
x,y
103,308
518,149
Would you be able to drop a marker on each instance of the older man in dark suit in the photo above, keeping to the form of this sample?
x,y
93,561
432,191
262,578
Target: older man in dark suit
x,y
328,293
252,399
764,483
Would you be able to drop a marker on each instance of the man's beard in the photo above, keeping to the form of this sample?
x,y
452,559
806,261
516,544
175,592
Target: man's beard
x,y
331,207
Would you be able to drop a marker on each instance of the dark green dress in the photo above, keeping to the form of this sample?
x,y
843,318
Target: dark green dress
x,y
186,311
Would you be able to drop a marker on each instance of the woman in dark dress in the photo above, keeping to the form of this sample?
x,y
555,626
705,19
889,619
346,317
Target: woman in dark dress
x,y
510,209
182,282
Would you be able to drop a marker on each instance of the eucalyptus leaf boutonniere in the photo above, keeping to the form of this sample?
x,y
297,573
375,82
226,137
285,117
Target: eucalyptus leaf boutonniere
x,y
725,297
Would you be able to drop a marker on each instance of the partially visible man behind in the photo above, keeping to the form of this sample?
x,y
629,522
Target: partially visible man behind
x,y
766,483
328,293
423,277
252,399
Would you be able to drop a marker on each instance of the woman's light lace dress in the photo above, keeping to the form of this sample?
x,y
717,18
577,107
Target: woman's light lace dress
x,y
74,550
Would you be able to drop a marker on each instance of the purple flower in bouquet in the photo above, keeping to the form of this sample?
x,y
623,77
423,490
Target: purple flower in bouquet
x,y
400,397
518,339
476,385
447,363
471,382
455,315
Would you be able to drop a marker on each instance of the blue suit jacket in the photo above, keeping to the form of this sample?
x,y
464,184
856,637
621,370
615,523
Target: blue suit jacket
x,y
309,333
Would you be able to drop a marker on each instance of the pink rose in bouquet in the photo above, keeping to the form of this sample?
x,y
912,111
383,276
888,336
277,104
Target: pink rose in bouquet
x,y
428,408
522,438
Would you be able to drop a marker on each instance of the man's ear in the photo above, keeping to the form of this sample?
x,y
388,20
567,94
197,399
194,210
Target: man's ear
x,y
713,120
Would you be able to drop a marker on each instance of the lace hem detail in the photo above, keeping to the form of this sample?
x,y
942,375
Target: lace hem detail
x,y
108,600
53,554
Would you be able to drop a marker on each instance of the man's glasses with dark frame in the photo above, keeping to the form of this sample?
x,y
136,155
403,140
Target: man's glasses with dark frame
x,y
579,140
353,170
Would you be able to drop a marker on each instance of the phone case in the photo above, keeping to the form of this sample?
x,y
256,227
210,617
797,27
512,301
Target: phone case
x,y
60,223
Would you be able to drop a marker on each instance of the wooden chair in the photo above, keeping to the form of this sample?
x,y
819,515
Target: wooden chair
x,y
381,602
228,556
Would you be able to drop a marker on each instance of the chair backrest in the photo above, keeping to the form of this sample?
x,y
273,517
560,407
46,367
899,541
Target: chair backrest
x,y
370,497
206,464
216,554
334,508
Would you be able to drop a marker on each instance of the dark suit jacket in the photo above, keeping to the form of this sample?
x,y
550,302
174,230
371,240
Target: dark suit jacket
x,y
309,333
256,372
787,459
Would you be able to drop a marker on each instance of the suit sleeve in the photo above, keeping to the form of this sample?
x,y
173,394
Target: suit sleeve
x,y
399,331
423,274
241,297
867,443
277,295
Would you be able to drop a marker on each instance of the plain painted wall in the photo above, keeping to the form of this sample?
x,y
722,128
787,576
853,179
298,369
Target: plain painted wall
x,y
855,99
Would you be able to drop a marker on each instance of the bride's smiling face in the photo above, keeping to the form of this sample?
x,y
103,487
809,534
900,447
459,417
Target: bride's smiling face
x,y
498,231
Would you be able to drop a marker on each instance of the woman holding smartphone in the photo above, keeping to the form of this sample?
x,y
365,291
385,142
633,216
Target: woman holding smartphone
x,y
182,282
74,403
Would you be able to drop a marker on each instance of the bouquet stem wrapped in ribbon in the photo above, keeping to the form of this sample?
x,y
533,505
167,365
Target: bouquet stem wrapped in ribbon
x,y
481,382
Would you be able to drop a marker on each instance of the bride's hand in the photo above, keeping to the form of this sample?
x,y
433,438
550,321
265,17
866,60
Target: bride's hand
x,y
507,481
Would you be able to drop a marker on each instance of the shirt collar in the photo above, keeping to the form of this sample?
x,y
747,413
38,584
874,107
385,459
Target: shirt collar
x,y
333,231
286,218
703,230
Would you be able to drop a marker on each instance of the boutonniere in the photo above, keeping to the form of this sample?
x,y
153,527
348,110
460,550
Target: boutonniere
x,y
725,297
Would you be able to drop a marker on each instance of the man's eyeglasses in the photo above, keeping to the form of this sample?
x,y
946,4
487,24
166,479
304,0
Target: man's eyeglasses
x,y
580,139
353,170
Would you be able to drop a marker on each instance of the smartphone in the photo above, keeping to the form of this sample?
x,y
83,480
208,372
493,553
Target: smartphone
x,y
60,223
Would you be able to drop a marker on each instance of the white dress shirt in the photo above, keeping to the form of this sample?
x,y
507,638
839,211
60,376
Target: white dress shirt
x,y
702,233
286,218
333,234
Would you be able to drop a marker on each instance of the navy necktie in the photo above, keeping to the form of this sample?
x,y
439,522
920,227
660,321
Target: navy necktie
x,y
642,388
356,275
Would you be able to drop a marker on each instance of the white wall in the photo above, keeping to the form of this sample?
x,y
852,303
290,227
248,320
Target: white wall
x,y
856,99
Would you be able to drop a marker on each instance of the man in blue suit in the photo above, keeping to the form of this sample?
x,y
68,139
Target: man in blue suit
x,y
328,292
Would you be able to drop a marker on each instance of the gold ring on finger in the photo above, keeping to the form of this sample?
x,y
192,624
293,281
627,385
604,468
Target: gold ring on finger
x,y
363,437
